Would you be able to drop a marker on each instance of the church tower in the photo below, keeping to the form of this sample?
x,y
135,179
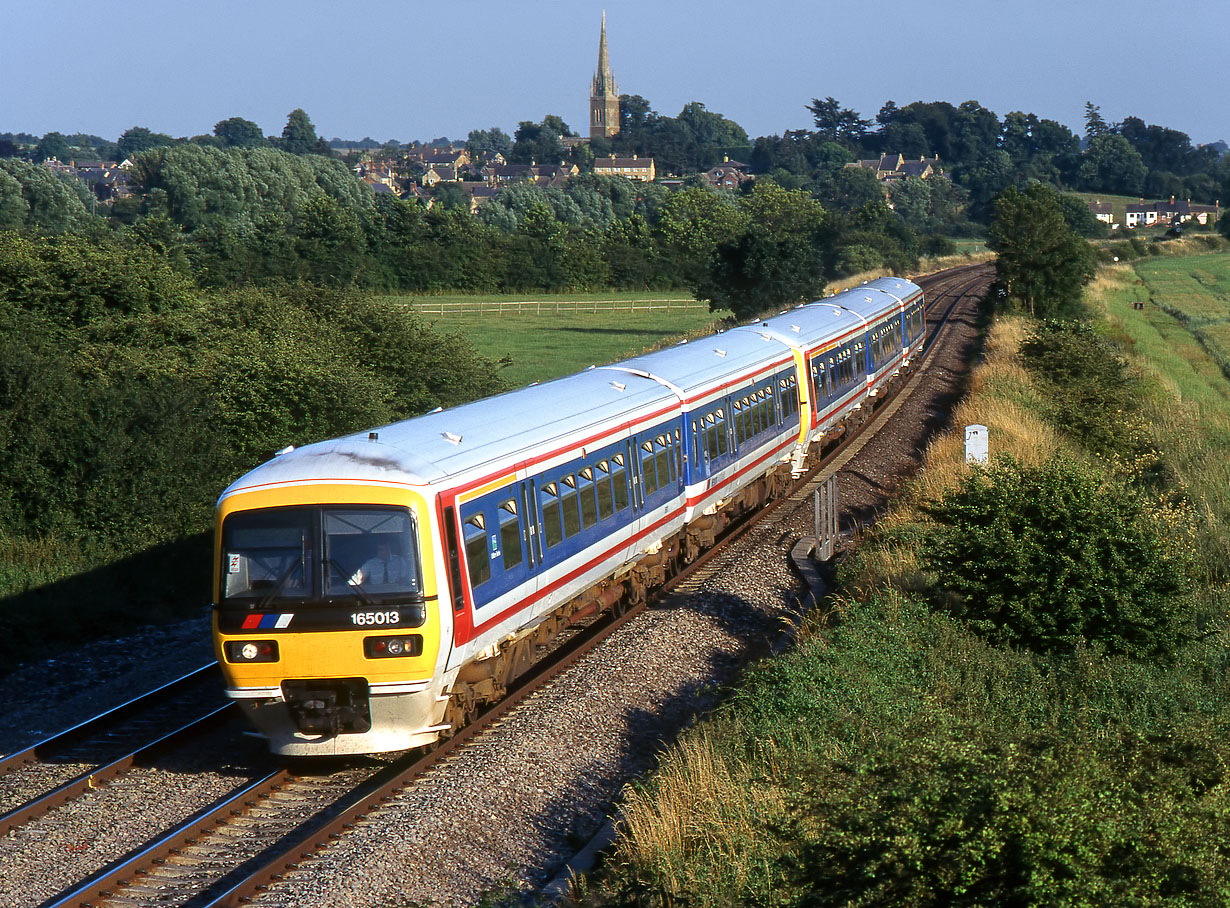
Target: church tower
x,y
604,97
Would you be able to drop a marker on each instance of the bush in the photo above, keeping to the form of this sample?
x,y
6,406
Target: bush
x,y
1091,395
1048,557
901,760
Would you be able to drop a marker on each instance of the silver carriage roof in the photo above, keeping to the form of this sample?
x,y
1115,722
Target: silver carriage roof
x,y
431,448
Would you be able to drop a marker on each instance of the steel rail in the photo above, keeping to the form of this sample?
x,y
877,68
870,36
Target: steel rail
x,y
93,726
93,778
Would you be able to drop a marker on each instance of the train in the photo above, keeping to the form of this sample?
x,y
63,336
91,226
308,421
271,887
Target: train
x,y
373,592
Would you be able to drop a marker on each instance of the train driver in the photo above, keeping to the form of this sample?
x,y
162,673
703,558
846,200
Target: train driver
x,y
386,566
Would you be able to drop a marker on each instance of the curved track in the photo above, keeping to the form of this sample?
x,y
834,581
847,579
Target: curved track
x,y
227,854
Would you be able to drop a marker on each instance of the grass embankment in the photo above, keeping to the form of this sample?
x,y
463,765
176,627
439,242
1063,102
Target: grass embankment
x,y
896,757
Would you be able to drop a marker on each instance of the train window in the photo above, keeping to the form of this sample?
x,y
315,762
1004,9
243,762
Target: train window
x,y
587,494
372,550
619,478
662,454
475,536
510,534
678,455
552,526
649,476
568,503
602,485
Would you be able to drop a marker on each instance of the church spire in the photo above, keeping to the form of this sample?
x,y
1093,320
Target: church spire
x,y
604,95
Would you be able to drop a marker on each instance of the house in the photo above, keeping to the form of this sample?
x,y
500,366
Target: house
x,y
633,168
1103,211
454,159
508,173
440,173
1170,213
480,193
728,175
898,167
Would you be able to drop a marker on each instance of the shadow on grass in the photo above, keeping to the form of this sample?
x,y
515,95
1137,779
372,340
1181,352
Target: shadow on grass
x,y
165,583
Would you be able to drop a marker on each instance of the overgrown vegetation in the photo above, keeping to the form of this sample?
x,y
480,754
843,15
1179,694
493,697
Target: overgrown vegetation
x,y
129,400
1022,700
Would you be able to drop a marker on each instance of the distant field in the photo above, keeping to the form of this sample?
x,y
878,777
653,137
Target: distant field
x,y
1198,287
559,336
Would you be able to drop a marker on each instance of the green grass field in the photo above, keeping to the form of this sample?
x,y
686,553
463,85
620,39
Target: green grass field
x,y
541,343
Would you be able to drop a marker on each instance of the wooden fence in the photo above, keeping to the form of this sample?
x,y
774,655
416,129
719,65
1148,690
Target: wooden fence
x,y
538,307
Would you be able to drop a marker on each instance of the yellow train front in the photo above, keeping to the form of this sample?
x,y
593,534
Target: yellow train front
x,y
326,623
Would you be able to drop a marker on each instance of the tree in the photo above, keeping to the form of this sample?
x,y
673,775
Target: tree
x,y
139,139
299,136
1095,126
52,145
1111,164
237,132
489,141
539,143
778,258
835,123
1042,262
43,200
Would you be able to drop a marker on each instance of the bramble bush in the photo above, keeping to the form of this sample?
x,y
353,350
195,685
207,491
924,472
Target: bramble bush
x,y
1052,555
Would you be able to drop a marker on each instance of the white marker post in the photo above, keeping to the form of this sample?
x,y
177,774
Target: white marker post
x,y
976,444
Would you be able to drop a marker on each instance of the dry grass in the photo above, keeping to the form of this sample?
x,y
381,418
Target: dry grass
x,y
692,815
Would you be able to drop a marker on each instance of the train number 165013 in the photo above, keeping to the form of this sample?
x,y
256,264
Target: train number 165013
x,y
364,619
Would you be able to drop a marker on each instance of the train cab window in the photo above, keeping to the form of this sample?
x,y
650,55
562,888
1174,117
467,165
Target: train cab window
x,y
371,550
619,478
552,525
602,486
588,497
510,533
474,535
568,503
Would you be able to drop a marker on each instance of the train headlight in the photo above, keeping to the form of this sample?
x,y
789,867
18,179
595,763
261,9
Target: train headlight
x,y
251,651
393,647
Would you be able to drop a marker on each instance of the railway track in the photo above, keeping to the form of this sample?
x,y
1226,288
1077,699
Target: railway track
x,y
229,853
68,765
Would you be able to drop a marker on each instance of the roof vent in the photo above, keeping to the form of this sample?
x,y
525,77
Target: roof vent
x,y
619,386
373,436
796,329
285,450
450,437
720,352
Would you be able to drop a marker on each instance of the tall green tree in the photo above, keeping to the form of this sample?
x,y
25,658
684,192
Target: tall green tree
x,y
236,132
299,136
138,139
1042,262
1111,164
778,259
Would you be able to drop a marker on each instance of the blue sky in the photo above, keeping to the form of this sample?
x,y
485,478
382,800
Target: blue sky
x,y
413,70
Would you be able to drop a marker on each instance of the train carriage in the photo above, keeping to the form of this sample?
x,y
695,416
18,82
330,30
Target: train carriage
x,y
374,590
